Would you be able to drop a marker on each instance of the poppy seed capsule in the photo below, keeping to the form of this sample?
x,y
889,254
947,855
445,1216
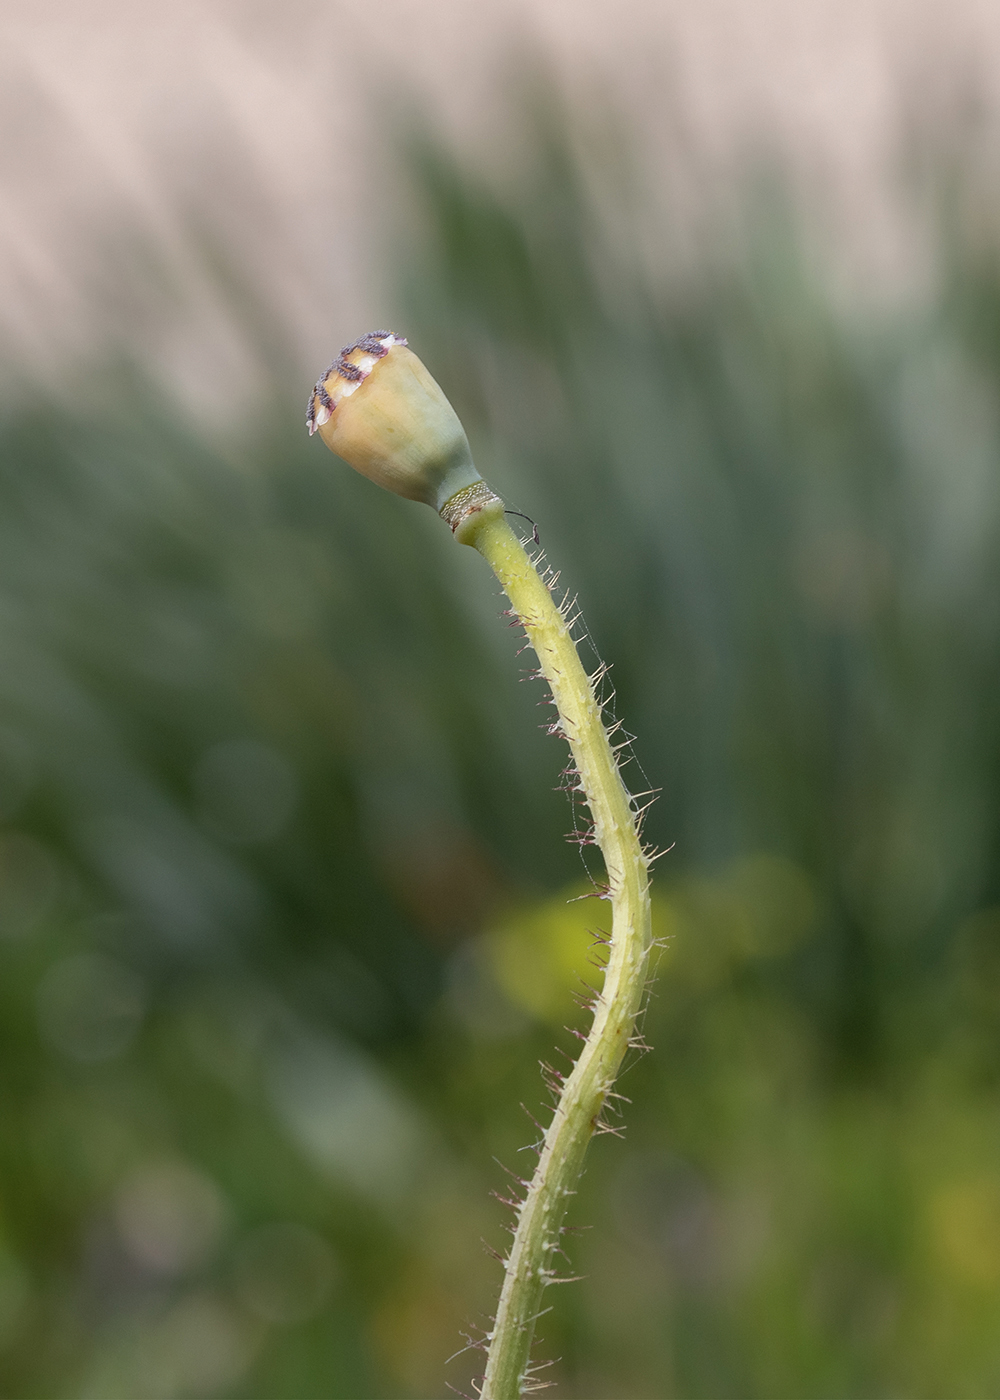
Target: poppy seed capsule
x,y
379,409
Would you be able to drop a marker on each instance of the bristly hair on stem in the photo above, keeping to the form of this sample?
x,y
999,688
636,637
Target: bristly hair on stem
x,y
379,409
583,1093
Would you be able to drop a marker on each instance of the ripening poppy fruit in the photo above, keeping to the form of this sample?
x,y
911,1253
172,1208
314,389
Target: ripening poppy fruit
x,y
379,409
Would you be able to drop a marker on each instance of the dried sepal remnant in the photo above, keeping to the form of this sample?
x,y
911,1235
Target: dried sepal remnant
x,y
354,364
458,510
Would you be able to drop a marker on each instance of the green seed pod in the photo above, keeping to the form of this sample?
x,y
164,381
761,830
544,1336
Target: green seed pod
x,y
379,409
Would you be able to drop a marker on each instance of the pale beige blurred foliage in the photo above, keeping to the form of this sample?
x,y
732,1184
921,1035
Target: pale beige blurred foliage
x,y
128,115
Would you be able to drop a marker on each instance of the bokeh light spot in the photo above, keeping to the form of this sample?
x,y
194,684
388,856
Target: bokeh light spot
x,y
170,1216
965,1225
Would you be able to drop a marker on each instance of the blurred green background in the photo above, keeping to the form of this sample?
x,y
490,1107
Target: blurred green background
x,y
284,928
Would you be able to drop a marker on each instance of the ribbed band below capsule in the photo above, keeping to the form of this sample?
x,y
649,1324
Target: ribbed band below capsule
x,y
466,502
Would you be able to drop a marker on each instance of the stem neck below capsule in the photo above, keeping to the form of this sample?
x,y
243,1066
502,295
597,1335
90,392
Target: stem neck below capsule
x,y
469,508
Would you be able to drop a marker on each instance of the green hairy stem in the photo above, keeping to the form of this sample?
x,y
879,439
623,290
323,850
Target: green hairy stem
x,y
378,408
578,1113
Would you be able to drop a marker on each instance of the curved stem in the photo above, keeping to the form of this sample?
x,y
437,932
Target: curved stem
x,y
529,1264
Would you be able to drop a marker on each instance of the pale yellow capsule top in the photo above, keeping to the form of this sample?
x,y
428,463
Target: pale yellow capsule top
x,y
379,409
